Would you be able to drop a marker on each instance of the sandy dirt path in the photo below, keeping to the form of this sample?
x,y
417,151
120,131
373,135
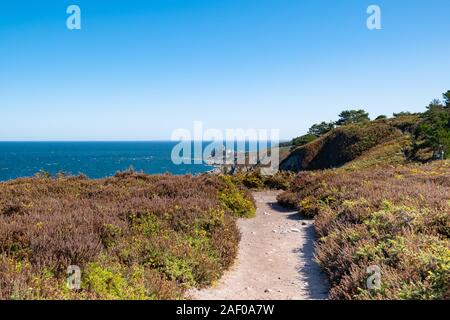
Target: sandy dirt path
x,y
275,258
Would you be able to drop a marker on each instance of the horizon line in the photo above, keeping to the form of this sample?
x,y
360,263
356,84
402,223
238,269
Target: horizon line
x,y
150,140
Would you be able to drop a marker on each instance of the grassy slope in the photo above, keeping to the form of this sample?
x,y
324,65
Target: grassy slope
x,y
345,144
134,236
392,152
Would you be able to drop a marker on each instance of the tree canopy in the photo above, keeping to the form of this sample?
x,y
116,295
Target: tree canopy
x,y
319,129
447,98
352,116
302,140
401,114
434,130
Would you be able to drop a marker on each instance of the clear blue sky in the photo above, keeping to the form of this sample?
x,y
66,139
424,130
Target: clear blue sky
x,y
139,69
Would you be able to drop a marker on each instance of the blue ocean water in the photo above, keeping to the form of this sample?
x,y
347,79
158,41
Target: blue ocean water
x,y
94,159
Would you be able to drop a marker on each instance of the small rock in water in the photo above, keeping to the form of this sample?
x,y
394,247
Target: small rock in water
x,y
304,223
267,214
295,230
274,231
267,291
253,232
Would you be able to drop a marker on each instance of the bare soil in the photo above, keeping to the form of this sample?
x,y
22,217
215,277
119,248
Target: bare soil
x,y
275,258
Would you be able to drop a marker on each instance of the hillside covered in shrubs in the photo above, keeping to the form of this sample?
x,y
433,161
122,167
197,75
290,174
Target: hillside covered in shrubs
x,y
378,199
396,218
417,137
133,236
340,146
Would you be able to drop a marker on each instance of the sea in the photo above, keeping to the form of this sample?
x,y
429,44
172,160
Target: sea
x,y
93,159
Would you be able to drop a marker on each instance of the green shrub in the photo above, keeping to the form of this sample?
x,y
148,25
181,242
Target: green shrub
x,y
252,180
111,284
235,199
281,180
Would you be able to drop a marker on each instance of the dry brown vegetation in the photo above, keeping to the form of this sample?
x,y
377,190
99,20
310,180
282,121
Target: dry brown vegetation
x,y
134,236
395,217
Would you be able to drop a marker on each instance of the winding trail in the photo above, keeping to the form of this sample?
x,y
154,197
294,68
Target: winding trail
x,y
275,258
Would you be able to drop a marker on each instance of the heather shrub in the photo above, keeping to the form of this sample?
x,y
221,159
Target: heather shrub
x,y
280,181
134,236
254,180
397,218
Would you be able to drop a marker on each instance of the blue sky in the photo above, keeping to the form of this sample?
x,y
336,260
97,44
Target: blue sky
x,y
137,70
